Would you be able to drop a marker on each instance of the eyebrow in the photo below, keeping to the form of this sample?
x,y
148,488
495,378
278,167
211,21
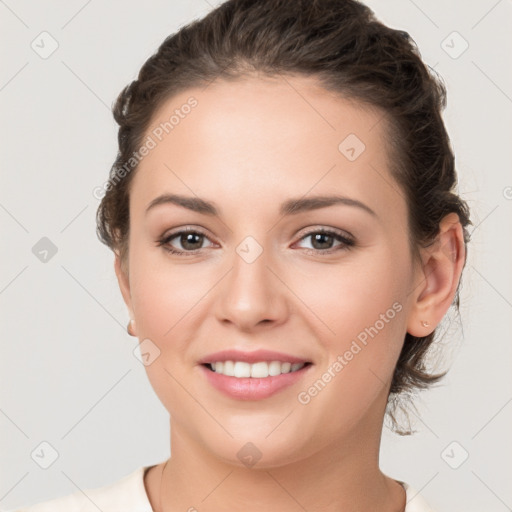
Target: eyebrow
x,y
289,207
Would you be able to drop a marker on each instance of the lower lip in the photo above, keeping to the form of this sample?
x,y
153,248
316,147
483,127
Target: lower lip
x,y
251,388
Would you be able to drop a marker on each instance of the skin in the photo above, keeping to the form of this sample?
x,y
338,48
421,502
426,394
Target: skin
x,y
248,146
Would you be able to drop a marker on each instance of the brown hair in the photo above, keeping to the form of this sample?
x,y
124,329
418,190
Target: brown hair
x,y
341,43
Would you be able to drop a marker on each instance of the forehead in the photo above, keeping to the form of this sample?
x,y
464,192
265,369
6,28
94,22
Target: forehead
x,y
257,138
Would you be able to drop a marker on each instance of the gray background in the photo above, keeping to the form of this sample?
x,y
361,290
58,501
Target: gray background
x,y
68,373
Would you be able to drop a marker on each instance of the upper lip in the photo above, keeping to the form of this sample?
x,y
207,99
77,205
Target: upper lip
x,y
253,356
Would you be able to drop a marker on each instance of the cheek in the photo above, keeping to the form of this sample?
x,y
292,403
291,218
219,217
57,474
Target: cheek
x,y
354,294
163,293
363,316
163,298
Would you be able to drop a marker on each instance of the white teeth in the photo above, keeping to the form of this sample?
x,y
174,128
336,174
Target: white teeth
x,y
258,370
242,369
229,368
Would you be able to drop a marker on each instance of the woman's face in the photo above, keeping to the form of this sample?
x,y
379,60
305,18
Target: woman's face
x,y
262,274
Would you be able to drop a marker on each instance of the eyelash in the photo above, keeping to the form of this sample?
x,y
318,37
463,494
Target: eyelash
x,y
347,242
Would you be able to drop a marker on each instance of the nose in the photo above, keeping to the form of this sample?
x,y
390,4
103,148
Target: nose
x,y
252,295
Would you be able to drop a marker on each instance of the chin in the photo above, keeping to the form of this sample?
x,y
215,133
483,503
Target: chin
x,y
258,451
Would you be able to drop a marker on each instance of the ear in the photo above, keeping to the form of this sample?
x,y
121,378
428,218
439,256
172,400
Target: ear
x,y
124,284
438,277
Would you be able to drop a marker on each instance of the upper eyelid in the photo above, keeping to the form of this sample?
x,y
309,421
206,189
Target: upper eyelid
x,y
173,234
314,229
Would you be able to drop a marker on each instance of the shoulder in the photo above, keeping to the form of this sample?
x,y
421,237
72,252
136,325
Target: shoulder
x,y
414,501
127,494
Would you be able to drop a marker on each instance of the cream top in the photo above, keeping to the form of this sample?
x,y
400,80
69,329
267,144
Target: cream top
x,y
129,495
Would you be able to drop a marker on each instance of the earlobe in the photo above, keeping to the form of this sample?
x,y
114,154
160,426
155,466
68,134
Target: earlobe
x,y
442,264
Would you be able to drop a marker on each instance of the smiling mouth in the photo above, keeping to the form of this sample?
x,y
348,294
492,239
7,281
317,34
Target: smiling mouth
x,y
258,370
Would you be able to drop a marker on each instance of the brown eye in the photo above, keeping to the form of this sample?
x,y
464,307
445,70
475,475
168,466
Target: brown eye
x,y
189,241
323,241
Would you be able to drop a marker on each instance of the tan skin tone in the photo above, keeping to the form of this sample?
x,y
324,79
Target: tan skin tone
x,y
248,146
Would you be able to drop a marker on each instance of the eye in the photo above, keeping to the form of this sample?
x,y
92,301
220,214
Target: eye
x,y
323,239
190,239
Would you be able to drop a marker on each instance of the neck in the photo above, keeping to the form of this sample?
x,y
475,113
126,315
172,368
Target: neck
x,y
342,475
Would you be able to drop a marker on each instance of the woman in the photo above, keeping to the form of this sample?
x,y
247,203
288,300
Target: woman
x,y
286,239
